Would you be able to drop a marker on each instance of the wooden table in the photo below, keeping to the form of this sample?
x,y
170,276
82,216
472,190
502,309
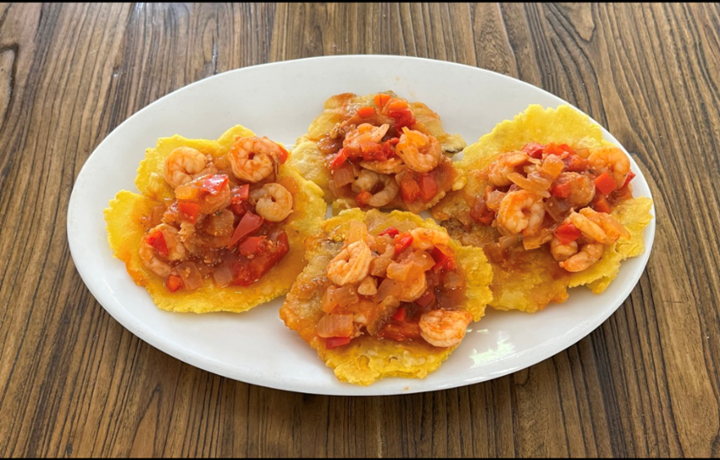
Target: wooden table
x,y
73,382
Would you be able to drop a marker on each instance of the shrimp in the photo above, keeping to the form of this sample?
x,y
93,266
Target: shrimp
x,y
175,250
582,189
387,194
185,164
588,255
273,202
365,137
413,289
521,211
562,252
504,165
365,181
368,286
392,165
254,158
420,152
444,328
426,238
351,265
598,226
612,160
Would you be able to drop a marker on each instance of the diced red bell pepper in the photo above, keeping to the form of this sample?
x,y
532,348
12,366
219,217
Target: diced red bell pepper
x,y
601,204
561,190
481,213
339,160
400,314
381,99
189,211
334,342
630,176
605,183
248,224
240,193
566,148
283,155
402,242
363,198
442,259
157,241
392,231
271,251
403,117
567,233
214,184
252,245
428,187
173,283
427,299
366,112
553,149
533,149
409,190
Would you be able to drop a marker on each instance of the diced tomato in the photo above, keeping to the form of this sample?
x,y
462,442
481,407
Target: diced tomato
x,y
562,190
248,224
427,299
533,149
363,198
567,233
392,231
605,183
381,99
630,176
251,245
400,331
566,148
366,112
334,342
621,194
173,283
403,117
157,241
240,193
400,314
214,184
553,149
409,189
443,259
271,251
189,211
283,155
428,187
339,160
575,163
481,213
601,204
402,241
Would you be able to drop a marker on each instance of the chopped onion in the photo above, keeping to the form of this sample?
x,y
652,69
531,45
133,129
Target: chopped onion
x,y
223,275
192,279
343,176
386,289
552,167
329,303
335,326
453,280
493,199
346,296
535,185
557,209
508,241
400,271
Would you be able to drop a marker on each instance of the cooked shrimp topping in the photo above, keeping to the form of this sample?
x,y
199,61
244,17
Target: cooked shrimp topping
x,y
396,286
420,152
273,202
255,158
444,328
552,197
185,164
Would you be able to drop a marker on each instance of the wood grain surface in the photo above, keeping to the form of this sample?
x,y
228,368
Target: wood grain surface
x,y
74,382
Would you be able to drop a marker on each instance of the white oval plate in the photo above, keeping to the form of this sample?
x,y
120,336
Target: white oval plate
x,y
280,100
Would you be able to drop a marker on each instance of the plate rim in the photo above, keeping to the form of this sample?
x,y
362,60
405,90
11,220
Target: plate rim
x,y
142,331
